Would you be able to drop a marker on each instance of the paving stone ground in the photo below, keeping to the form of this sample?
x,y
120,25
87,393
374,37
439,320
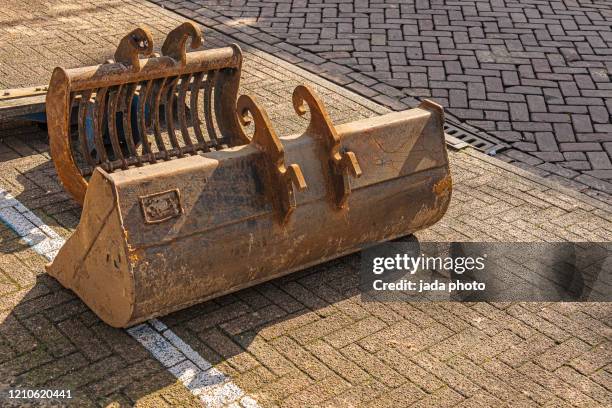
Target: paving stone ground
x,y
533,73
309,339
36,36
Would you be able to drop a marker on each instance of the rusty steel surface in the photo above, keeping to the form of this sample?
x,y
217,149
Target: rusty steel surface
x,y
158,238
279,178
142,108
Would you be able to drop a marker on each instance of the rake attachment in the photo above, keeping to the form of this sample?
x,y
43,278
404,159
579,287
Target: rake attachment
x,y
160,235
130,111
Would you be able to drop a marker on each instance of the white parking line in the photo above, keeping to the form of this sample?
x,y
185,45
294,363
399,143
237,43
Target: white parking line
x,y
210,385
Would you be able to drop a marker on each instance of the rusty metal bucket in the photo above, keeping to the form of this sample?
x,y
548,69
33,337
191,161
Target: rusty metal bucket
x,y
132,112
160,237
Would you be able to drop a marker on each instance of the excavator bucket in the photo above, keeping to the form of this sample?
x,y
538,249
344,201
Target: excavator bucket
x,y
130,112
158,236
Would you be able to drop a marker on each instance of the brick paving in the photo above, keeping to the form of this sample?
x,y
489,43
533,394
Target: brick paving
x,y
36,36
533,73
309,339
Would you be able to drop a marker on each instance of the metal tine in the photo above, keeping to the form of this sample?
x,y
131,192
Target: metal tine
x,y
73,99
170,98
195,119
182,114
71,103
98,124
143,97
126,112
208,87
113,100
156,119
82,117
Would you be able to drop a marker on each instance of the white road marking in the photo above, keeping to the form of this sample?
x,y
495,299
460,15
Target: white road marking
x,y
210,385
32,230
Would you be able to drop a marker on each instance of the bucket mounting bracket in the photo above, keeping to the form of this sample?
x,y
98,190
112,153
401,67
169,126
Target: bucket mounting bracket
x,y
175,45
342,162
280,177
138,42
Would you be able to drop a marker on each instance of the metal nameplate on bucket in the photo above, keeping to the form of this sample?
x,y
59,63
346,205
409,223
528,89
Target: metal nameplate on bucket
x,y
162,206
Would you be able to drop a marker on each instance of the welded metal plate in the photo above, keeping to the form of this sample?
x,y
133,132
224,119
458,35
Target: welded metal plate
x,y
160,207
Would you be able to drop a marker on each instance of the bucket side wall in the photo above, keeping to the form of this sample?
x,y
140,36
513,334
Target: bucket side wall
x,y
94,262
197,267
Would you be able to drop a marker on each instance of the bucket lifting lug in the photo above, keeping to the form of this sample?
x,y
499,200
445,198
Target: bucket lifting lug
x,y
176,42
341,162
138,42
280,178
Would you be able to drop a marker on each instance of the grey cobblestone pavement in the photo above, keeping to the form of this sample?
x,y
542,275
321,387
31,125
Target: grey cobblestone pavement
x,y
533,73
309,339
36,36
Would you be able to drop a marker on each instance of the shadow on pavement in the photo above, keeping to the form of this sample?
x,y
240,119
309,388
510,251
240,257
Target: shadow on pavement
x,y
50,340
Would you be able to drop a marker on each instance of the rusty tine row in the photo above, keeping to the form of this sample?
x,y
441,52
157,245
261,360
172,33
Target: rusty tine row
x,y
141,108
103,104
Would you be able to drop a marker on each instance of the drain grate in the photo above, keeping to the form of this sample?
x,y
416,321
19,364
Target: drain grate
x,y
485,143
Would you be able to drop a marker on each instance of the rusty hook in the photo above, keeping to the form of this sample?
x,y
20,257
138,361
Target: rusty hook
x,y
175,43
138,42
281,177
342,162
